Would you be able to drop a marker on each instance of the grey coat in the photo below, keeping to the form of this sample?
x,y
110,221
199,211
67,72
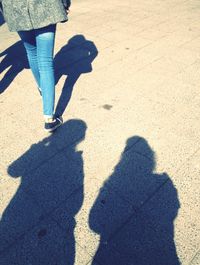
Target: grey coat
x,y
33,14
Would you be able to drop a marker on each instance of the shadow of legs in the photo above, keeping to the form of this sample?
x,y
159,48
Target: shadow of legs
x,y
66,93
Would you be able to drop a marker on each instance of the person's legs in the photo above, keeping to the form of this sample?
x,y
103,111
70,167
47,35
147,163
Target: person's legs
x,y
45,38
39,44
29,41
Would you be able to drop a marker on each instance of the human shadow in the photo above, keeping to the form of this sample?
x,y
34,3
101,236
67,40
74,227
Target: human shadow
x,y
135,210
38,225
15,60
74,59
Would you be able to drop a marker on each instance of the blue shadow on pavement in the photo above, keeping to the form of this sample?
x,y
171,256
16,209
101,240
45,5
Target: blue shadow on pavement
x,y
135,210
14,59
133,214
74,59
37,227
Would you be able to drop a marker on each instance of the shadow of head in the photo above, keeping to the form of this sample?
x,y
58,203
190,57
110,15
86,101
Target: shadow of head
x,y
78,52
65,138
77,40
138,145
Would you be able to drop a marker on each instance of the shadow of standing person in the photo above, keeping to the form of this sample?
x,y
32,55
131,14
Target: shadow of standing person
x,y
15,61
135,210
39,221
74,59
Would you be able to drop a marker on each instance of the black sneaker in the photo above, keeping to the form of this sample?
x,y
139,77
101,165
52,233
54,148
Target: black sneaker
x,y
52,126
39,90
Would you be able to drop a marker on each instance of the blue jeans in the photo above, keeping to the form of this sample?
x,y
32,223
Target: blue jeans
x,y
39,45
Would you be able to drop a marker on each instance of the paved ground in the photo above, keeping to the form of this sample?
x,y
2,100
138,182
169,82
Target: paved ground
x,y
118,184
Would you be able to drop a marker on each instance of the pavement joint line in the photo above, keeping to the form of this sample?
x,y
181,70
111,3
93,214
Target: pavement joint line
x,y
145,156
195,255
85,250
92,261
32,197
122,60
127,150
160,58
198,59
197,37
62,202
152,195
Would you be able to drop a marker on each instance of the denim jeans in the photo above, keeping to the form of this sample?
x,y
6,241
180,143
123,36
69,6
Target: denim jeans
x,y
39,45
